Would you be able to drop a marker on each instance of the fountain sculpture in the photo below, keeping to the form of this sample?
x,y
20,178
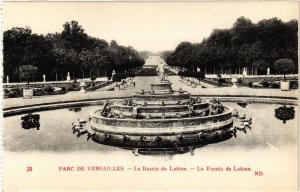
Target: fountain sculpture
x,y
162,119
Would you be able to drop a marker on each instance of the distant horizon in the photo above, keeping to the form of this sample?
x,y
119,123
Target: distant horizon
x,y
146,26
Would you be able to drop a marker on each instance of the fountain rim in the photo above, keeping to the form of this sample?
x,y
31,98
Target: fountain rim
x,y
138,94
93,114
154,131
118,104
162,83
18,110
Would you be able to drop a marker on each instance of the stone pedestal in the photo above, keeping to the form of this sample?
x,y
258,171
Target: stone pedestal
x,y
82,90
164,87
130,80
131,84
27,93
117,88
122,87
284,85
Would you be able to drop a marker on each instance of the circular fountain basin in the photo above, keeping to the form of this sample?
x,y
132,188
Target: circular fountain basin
x,y
161,133
161,118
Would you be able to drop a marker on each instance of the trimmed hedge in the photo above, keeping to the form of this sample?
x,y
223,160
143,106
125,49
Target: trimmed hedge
x,y
198,75
119,76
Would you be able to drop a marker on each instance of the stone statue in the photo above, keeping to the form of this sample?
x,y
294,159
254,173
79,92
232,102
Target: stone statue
x,y
244,71
68,77
134,111
268,71
44,78
7,79
82,85
106,109
161,71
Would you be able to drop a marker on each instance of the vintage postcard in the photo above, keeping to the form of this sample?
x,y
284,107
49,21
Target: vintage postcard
x,y
150,95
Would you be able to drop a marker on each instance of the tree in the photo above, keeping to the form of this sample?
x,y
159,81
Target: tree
x,y
260,64
72,50
37,52
14,43
246,44
74,36
284,66
27,73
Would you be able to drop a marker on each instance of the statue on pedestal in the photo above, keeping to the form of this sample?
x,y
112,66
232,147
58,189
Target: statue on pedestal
x,y
161,72
244,72
82,85
68,77
44,78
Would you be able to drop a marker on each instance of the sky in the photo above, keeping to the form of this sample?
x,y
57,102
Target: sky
x,y
152,26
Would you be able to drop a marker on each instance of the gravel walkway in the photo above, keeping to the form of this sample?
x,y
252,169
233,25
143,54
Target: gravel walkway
x,y
143,82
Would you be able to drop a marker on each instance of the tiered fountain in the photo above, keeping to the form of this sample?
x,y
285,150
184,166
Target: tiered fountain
x,y
162,119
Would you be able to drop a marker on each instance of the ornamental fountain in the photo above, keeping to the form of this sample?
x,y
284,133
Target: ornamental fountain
x,y
162,120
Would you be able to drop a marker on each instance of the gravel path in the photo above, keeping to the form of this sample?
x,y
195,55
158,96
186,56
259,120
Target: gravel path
x,y
143,82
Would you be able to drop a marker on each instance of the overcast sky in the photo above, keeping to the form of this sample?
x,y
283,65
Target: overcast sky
x,y
145,26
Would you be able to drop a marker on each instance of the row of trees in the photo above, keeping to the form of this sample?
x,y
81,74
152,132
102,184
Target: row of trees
x,y
72,51
254,46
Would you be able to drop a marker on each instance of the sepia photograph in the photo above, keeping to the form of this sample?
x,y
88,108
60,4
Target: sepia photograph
x,y
150,95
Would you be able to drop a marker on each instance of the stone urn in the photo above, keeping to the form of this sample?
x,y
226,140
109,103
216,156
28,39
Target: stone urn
x,y
82,84
27,93
284,85
234,82
194,85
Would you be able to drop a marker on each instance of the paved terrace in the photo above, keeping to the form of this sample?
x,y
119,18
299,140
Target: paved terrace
x,y
144,83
